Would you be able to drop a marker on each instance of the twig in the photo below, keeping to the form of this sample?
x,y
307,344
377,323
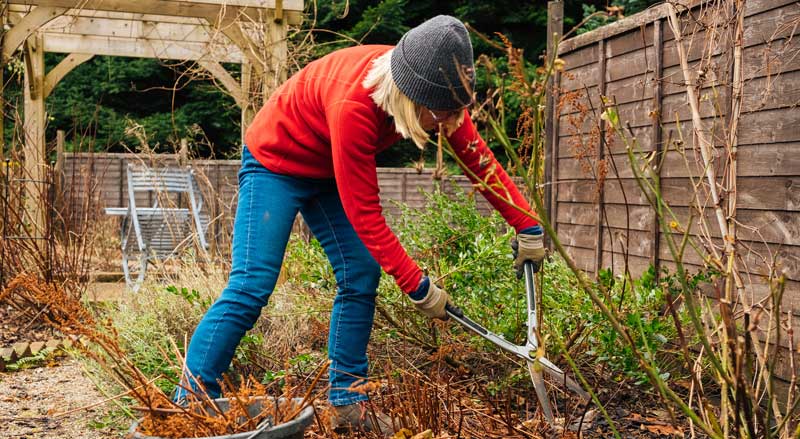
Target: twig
x,y
107,400
705,145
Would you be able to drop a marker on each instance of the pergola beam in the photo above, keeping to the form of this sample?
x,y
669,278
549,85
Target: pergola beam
x,y
194,30
26,27
190,40
139,48
135,34
231,85
294,5
179,8
65,66
128,16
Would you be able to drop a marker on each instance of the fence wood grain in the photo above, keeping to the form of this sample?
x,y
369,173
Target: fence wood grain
x,y
634,63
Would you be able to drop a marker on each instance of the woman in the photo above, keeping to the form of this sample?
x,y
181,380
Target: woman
x,y
311,149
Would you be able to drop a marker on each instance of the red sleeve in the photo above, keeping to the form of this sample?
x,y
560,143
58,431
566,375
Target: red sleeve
x,y
353,129
478,158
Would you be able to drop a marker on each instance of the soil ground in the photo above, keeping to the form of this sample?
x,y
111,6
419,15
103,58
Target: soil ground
x,y
32,401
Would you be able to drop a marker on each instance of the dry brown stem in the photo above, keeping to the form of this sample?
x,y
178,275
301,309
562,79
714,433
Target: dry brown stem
x,y
200,416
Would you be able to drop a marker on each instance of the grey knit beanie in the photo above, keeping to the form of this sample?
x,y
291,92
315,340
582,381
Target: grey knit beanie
x,y
427,61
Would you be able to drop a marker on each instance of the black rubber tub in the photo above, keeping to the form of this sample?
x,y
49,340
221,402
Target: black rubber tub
x,y
293,429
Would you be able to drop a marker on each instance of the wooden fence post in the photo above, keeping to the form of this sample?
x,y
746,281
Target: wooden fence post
x,y
183,161
601,86
60,150
555,28
404,187
215,210
58,172
183,153
658,91
123,177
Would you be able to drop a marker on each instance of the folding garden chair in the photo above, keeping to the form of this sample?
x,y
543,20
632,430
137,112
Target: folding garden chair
x,y
156,233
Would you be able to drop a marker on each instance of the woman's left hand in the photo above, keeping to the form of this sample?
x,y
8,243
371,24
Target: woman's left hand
x,y
529,246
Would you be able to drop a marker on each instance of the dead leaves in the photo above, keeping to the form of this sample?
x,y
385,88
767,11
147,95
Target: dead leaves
x,y
656,425
405,433
365,387
662,430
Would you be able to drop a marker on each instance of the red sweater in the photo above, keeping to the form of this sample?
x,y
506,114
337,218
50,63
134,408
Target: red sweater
x,y
322,123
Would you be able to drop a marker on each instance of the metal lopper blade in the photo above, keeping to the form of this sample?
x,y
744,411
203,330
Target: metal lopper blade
x,y
530,352
535,369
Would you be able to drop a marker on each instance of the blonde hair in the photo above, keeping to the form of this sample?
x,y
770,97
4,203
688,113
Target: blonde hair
x,y
390,99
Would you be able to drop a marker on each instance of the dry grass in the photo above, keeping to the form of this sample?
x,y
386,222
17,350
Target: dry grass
x,y
162,417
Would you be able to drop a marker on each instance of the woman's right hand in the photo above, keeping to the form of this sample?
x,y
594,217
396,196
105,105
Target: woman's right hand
x,y
433,303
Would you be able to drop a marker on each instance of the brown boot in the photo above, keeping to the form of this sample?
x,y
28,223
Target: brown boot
x,y
362,416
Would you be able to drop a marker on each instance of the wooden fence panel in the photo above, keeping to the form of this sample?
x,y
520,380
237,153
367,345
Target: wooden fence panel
x,y
102,177
635,64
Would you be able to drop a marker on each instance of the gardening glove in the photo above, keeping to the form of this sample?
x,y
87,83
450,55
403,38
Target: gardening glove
x,y
528,246
430,299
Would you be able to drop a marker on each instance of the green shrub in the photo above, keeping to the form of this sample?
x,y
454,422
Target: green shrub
x,y
305,265
642,302
470,254
449,237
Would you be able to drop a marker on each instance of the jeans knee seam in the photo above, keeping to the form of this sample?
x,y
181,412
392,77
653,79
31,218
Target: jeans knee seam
x,y
249,232
338,244
335,366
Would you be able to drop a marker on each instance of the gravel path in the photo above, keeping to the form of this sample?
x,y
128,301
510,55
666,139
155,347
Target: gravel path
x,y
30,401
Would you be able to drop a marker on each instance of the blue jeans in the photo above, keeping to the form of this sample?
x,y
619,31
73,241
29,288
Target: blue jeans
x,y
268,204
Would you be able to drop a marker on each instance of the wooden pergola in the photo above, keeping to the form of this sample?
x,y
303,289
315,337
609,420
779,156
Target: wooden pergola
x,y
209,32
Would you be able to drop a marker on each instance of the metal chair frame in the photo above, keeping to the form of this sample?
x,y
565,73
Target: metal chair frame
x,y
157,233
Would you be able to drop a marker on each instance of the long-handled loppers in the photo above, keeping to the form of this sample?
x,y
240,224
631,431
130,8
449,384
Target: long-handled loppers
x,y
530,351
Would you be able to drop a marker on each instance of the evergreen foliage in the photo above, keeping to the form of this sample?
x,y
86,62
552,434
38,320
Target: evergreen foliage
x,y
102,97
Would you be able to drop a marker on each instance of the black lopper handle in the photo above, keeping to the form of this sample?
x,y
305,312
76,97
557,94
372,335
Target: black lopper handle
x,y
457,314
454,310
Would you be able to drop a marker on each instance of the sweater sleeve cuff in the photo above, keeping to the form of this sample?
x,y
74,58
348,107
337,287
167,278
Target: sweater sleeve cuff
x,y
422,289
535,230
527,224
411,283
